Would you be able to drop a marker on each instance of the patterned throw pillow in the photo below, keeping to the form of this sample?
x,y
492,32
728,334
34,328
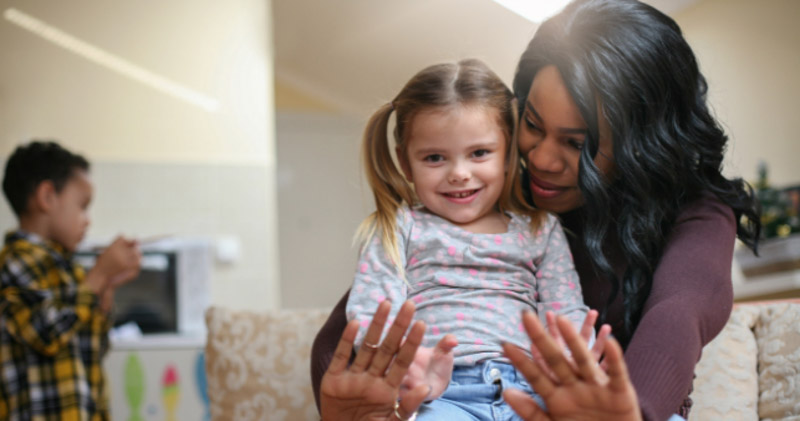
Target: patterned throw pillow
x,y
257,364
778,336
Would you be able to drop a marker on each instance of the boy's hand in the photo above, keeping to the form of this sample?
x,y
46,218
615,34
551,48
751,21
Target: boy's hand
x,y
432,367
117,265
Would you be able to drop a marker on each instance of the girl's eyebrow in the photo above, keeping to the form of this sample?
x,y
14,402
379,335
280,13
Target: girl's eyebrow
x,y
565,130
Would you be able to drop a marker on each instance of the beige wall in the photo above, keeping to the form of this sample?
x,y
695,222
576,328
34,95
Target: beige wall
x,y
749,52
162,165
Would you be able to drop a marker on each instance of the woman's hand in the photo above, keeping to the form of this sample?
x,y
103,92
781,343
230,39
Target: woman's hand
x,y
432,367
579,390
368,390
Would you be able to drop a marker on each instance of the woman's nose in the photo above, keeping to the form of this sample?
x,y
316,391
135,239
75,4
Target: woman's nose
x,y
546,156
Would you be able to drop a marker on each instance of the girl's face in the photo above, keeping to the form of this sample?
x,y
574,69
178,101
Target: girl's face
x,y
551,135
456,158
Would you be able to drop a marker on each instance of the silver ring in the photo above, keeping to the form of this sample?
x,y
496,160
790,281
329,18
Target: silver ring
x,y
373,347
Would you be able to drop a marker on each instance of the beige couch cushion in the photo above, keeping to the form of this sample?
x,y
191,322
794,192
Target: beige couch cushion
x,y
257,364
778,336
726,383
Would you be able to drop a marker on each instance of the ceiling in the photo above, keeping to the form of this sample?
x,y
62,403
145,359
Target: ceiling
x,y
356,54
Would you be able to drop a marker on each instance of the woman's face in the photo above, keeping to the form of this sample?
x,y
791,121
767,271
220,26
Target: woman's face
x,y
551,135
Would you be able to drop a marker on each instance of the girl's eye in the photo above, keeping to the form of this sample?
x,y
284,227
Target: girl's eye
x,y
434,158
480,153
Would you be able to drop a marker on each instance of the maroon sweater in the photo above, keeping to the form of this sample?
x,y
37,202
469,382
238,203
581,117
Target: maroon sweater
x,y
689,304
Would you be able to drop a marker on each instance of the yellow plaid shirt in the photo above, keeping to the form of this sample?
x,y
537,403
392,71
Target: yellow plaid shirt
x,y
53,335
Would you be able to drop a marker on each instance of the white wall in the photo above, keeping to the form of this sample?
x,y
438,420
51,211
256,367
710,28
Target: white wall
x,y
749,52
321,201
161,164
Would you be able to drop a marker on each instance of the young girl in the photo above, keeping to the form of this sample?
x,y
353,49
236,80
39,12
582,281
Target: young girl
x,y
453,233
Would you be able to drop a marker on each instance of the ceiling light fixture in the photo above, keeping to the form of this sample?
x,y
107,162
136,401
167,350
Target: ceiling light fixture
x,y
110,61
534,10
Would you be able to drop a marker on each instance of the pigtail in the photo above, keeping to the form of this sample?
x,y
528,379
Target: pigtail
x,y
389,186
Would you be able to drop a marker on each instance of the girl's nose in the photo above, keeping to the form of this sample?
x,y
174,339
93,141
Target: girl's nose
x,y
459,174
546,156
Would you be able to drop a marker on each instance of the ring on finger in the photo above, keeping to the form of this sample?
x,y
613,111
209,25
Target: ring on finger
x,y
371,346
412,417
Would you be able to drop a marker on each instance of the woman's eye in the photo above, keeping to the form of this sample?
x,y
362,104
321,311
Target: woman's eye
x,y
480,153
576,144
433,158
531,125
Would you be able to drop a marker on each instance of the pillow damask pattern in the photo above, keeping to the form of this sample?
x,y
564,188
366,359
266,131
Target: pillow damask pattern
x,y
778,335
257,364
726,382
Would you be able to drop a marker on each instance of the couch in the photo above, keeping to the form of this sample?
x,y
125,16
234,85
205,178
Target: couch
x,y
258,365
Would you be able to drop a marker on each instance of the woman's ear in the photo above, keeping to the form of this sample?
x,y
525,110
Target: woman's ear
x,y
404,165
44,197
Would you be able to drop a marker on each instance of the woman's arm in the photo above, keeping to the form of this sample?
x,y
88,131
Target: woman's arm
x,y
689,304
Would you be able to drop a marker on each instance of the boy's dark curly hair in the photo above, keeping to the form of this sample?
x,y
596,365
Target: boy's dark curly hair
x,y
33,163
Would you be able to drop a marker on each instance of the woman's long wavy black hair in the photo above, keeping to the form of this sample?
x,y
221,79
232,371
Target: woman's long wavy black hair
x,y
631,62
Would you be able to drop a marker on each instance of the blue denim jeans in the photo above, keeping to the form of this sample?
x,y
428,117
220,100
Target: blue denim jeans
x,y
476,393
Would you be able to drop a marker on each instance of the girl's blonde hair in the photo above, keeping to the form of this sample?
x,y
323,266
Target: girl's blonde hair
x,y
466,83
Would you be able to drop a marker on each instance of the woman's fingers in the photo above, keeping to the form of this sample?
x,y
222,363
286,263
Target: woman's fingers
x,y
410,403
536,377
617,370
550,350
524,405
388,348
372,338
405,356
343,350
586,364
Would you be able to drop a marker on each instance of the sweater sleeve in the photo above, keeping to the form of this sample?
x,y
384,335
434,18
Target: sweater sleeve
x,y
690,302
377,279
325,344
43,305
557,285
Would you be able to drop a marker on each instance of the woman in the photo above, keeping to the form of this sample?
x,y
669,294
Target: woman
x,y
618,140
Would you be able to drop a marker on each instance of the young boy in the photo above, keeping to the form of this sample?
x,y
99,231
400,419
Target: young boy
x,y
54,316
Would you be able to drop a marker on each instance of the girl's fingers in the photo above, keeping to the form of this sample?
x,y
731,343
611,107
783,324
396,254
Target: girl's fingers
x,y
588,325
600,342
411,402
535,376
585,363
388,348
343,350
372,338
406,354
524,405
552,328
550,350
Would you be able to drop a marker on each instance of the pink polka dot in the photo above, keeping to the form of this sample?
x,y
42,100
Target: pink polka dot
x,y
460,316
478,341
365,323
435,330
443,280
490,306
498,240
364,268
417,299
556,306
473,272
380,299
413,261
451,250
571,285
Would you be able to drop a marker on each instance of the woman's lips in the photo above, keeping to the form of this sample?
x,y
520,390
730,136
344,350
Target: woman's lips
x,y
544,189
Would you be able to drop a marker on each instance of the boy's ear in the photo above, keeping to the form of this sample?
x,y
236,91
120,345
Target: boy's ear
x,y
403,161
44,197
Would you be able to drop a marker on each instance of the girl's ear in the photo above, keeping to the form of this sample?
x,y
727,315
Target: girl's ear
x,y
44,197
404,165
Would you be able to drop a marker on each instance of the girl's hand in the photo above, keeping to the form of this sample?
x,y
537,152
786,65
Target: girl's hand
x,y
432,367
368,390
579,390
